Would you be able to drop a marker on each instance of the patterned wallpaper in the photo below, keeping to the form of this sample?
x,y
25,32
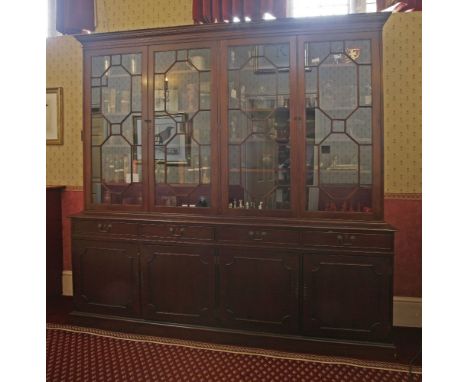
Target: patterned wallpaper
x,y
402,87
402,99
64,69
117,15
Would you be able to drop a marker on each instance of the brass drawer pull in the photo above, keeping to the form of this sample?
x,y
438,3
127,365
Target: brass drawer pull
x,y
257,235
345,239
102,227
176,231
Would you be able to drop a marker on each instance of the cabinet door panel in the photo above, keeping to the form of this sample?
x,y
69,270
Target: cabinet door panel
x,y
178,283
258,290
114,103
256,112
106,277
183,104
347,296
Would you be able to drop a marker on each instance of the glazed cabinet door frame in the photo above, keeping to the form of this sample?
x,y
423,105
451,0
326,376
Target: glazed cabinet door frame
x,y
377,125
224,111
214,124
87,126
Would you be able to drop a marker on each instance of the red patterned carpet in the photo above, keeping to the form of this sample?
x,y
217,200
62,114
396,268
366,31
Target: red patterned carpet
x,y
82,354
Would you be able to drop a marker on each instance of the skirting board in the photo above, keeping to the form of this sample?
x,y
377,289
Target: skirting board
x,y
67,283
407,311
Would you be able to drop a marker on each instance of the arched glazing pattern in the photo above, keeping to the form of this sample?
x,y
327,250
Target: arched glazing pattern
x,y
258,127
182,128
338,139
116,146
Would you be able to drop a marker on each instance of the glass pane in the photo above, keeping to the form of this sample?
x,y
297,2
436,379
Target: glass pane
x,y
136,94
183,88
205,91
99,129
200,58
239,127
182,128
316,52
239,56
116,152
132,62
258,123
336,47
338,86
116,95
234,164
96,97
365,89
205,164
338,160
311,81
278,55
359,51
234,92
99,65
359,125
338,126
163,60
201,127
366,165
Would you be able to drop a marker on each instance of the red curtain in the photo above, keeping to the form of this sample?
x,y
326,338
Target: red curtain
x,y
74,16
218,11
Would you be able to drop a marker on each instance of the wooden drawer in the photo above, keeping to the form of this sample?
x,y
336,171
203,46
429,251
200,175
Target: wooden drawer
x,y
347,239
258,235
108,227
177,231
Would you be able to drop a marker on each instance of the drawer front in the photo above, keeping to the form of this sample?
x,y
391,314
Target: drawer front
x,y
258,235
347,239
176,231
108,227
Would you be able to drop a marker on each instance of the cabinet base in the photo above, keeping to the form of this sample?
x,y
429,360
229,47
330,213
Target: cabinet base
x,y
282,342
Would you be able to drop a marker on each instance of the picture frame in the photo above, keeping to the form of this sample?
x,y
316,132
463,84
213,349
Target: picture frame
x,y
172,139
54,116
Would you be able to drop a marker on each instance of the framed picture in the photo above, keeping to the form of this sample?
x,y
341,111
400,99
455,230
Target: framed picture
x,y
54,116
172,136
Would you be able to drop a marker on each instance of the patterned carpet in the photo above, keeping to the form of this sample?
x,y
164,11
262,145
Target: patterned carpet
x,y
82,354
